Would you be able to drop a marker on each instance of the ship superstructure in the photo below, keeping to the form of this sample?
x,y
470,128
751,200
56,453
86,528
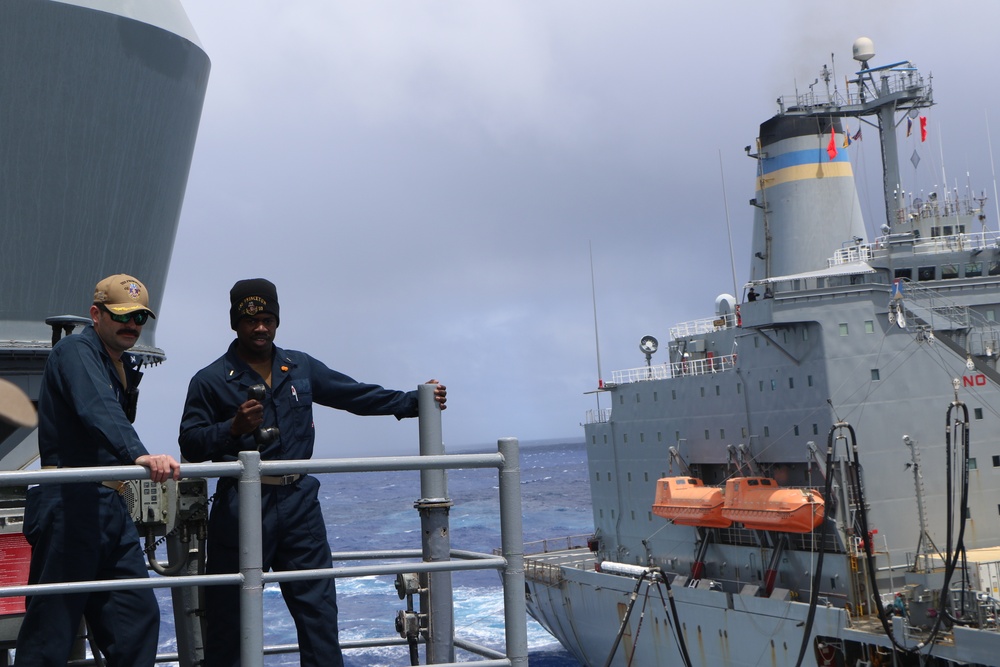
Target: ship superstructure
x,y
860,371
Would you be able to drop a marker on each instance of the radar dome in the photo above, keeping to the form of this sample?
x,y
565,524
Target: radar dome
x,y
725,304
864,49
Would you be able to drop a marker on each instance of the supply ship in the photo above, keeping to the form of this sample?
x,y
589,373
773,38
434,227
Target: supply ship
x,y
811,476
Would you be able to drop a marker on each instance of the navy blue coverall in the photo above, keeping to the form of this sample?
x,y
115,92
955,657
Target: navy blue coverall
x,y
83,531
294,532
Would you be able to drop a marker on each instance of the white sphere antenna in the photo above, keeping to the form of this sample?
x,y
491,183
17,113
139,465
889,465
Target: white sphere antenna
x,y
864,49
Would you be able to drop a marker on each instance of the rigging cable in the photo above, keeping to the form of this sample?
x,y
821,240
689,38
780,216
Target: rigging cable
x,y
959,544
624,624
818,572
681,644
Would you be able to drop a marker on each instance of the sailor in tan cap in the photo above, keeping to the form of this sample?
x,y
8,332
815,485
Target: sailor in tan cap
x,y
84,531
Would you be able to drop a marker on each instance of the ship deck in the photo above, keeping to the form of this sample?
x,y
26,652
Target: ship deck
x,y
547,567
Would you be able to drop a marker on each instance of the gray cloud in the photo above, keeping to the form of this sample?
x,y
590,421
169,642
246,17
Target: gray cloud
x,y
423,180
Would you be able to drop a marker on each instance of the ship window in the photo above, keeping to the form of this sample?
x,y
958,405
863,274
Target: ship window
x,y
809,380
765,482
638,399
645,476
935,232
722,434
743,431
752,482
605,438
609,477
593,439
815,429
718,391
707,436
906,274
978,412
973,269
703,392
624,438
597,477
994,269
843,329
869,326
926,273
996,461
774,385
612,514
621,400
629,475
649,516
761,383
875,375
972,463
602,514
796,429
949,271
659,436
655,397
642,437
784,336
633,514
739,388
948,230
991,315
767,432
791,383
756,342
805,333
677,436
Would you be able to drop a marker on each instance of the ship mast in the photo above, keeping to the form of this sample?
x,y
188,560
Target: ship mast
x,y
880,92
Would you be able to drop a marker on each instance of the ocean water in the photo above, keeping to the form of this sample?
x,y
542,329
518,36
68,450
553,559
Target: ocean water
x,y
375,511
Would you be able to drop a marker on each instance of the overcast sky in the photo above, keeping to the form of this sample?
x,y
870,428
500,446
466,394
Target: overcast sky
x,y
423,182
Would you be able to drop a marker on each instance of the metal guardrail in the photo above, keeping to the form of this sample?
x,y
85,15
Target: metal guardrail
x,y
252,579
879,247
702,366
702,326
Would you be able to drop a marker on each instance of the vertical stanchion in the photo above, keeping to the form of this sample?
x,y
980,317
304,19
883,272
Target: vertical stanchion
x,y
433,506
252,589
512,546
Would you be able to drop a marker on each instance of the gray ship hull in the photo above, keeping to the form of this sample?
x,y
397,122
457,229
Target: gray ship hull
x,y
583,611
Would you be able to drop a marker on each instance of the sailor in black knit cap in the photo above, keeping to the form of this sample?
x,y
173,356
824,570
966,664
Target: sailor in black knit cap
x,y
220,420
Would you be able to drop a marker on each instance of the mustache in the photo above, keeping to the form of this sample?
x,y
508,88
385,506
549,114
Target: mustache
x,y
127,331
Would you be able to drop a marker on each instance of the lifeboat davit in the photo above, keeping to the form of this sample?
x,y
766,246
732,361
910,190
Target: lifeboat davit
x,y
759,503
688,502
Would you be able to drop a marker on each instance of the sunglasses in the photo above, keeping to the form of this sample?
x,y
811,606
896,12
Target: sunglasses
x,y
139,316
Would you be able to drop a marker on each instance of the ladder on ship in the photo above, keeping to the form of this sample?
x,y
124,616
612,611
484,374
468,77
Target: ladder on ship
x,y
963,330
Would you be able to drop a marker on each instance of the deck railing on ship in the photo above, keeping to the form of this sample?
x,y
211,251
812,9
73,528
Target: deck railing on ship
x,y
440,641
863,252
701,366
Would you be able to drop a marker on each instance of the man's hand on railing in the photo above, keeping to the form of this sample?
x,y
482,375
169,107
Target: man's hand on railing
x,y
161,466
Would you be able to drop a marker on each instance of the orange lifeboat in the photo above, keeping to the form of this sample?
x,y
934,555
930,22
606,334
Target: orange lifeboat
x,y
759,503
688,502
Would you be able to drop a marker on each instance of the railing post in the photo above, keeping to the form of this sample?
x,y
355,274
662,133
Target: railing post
x,y
433,506
512,545
251,559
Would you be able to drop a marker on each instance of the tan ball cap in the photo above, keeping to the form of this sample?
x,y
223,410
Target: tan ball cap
x,y
122,294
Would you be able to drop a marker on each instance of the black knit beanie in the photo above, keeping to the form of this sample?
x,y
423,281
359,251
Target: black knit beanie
x,y
249,297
